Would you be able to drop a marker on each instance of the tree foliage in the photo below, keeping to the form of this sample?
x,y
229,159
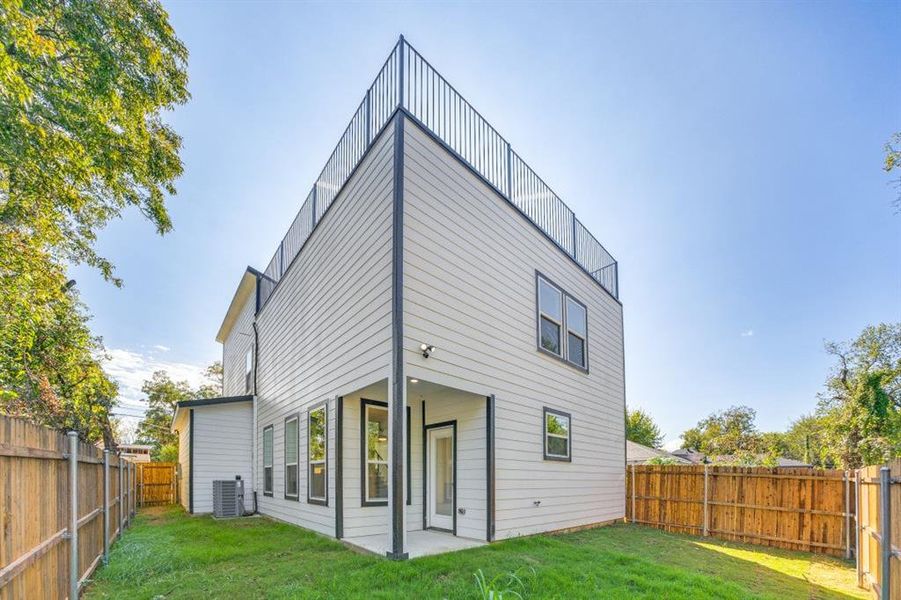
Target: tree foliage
x,y
162,396
728,432
83,85
893,162
641,429
860,409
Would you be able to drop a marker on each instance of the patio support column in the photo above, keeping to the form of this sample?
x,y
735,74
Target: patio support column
x,y
398,382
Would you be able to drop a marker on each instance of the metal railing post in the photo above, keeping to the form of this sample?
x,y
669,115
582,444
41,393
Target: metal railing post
x,y
706,521
106,506
73,515
368,118
400,77
509,173
315,193
573,217
885,546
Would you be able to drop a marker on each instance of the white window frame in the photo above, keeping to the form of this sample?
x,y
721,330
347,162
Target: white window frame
x,y
323,500
296,464
565,330
548,455
270,430
367,499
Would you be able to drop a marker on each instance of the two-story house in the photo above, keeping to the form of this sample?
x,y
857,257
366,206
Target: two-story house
x,y
433,358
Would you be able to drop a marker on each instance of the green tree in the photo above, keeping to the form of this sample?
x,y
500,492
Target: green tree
x,y
641,429
731,431
83,86
805,441
162,396
893,162
860,410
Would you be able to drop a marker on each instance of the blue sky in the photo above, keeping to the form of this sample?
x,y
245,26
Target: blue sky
x,y
728,155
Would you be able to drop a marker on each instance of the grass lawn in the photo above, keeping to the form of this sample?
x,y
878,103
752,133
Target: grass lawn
x,y
167,554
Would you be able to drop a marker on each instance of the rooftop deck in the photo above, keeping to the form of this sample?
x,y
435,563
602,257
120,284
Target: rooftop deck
x,y
408,82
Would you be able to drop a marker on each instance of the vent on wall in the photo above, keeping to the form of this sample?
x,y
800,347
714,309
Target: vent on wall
x,y
228,498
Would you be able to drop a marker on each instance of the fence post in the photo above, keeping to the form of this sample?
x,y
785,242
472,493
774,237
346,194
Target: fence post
x,y
885,547
847,515
857,527
106,506
706,522
121,495
73,515
633,492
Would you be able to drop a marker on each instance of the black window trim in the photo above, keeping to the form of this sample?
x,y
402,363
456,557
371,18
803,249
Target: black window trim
x,y
363,501
291,417
272,466
310,499
569,442
564,327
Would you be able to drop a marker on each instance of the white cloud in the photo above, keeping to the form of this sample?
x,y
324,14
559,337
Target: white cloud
x,y
747,333
162,348
130,369
672,444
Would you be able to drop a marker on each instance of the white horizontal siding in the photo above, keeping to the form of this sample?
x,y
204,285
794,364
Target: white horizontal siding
x,y
222,449
468,411
469,289
184,457
326,329
234,351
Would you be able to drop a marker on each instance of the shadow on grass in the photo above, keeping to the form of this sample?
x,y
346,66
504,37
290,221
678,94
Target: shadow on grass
x,y
168,554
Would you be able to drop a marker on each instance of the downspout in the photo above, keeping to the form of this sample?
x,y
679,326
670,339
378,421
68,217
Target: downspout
x,y
255,354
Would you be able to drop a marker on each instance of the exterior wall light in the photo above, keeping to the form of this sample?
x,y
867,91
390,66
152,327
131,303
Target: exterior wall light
x,y
426,350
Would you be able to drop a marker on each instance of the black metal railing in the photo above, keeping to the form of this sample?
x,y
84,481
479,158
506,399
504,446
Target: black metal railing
x,y
406,80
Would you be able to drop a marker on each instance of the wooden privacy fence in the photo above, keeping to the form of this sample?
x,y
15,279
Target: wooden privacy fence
x,y
156,483
61,504
796,508
879,530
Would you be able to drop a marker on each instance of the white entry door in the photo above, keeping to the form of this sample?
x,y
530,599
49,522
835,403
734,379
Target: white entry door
x,y
441,477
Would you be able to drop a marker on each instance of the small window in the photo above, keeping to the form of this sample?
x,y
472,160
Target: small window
x,y
248,372
317,489
375,477
267,461
556,435
576,332
550,309
291,452
562,324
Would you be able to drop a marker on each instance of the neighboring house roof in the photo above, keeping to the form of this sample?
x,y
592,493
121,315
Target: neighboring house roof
x,y
699,458
639,454
205,402
135,447
246,287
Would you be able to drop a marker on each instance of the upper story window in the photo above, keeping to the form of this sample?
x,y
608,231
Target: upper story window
x,y
556,435
317,487
248,371
267,460
562,324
